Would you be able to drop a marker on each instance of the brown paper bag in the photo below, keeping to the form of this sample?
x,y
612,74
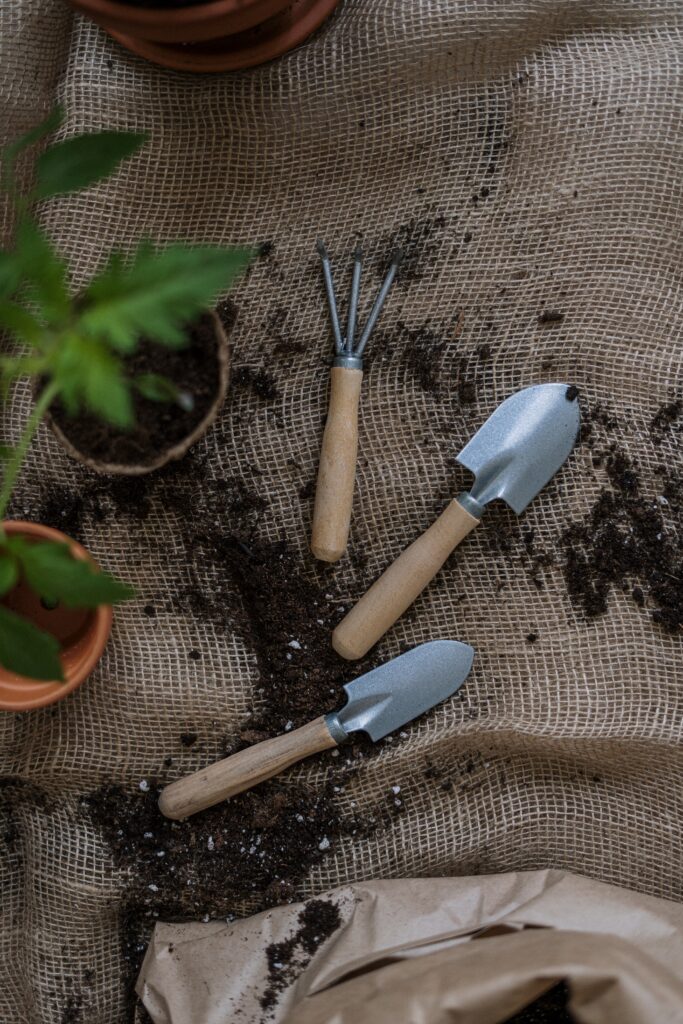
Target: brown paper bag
x,y
466,950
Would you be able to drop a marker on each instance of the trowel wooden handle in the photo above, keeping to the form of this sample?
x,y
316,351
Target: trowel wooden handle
x,y
243,770
399,585
337,471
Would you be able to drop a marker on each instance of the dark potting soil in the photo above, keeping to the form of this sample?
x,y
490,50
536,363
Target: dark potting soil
x,y
631,543
240,856
550,1008
158,425
289,958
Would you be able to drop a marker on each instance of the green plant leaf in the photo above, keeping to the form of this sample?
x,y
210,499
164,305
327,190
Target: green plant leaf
x,y
57,576
23,325
10,273
83,160
27,650
161,389
46,127
9,571
91,377
157,293
44,273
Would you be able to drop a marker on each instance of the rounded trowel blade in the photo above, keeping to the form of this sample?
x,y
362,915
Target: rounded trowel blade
x,y
523,444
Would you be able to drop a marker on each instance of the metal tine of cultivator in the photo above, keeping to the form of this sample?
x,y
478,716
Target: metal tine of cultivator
x,y
348,356
396,257
331,300
353,301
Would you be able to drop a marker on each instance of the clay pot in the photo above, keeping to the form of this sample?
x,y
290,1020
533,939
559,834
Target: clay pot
x,y
82,632
222,35
175,451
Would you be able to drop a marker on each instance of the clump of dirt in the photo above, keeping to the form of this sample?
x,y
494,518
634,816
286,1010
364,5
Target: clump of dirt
x,y
226,311
289,958
631,543
550,1008
550,316
666,419
194,370
257,380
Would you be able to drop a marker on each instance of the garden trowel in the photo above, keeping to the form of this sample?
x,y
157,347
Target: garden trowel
x,y
378,702
516,452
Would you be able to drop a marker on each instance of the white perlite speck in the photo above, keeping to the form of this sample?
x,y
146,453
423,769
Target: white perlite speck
x,y
324,844
295,644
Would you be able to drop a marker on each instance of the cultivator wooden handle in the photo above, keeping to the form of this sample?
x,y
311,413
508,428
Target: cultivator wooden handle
x,y
243,770
400,584
337,470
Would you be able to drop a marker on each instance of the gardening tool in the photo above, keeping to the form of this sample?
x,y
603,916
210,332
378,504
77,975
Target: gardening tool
x,y
337,470
377,703
516,452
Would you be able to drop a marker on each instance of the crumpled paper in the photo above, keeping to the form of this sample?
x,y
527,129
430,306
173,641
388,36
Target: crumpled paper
x,y
462,950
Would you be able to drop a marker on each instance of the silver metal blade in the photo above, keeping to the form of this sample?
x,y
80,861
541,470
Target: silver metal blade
x,y
398,691
522,444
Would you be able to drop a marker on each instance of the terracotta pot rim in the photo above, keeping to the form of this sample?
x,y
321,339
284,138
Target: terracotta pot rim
x,y
149,16
40,694
176,451
274,40
209,20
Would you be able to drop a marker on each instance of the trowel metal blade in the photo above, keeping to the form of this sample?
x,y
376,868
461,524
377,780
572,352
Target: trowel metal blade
x,y
522,444
398,691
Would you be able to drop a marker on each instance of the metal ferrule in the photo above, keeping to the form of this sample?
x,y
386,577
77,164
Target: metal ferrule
x,y
470,504
336,729
348,362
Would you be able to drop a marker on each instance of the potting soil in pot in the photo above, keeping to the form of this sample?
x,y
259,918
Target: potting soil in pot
x,y
159,425
527,157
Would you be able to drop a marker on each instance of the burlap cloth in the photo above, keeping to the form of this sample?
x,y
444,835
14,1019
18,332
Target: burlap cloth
x,y
564,121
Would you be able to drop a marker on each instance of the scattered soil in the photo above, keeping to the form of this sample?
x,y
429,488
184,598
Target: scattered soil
x,y
158,425
423,349
185,489
259,381
667,419
238,857
419,239
550,1008
629,543
285,618
289,958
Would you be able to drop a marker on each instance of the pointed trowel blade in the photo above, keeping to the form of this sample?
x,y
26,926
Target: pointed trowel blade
x,y
398,691
522,444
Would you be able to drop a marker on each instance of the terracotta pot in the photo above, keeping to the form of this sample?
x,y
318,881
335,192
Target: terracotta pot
x,y
223,35
176,451
82,632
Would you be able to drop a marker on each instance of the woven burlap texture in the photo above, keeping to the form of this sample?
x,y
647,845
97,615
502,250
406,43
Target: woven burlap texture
x,y
387,122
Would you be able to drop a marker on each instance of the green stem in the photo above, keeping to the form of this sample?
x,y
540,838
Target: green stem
x,y
14,462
